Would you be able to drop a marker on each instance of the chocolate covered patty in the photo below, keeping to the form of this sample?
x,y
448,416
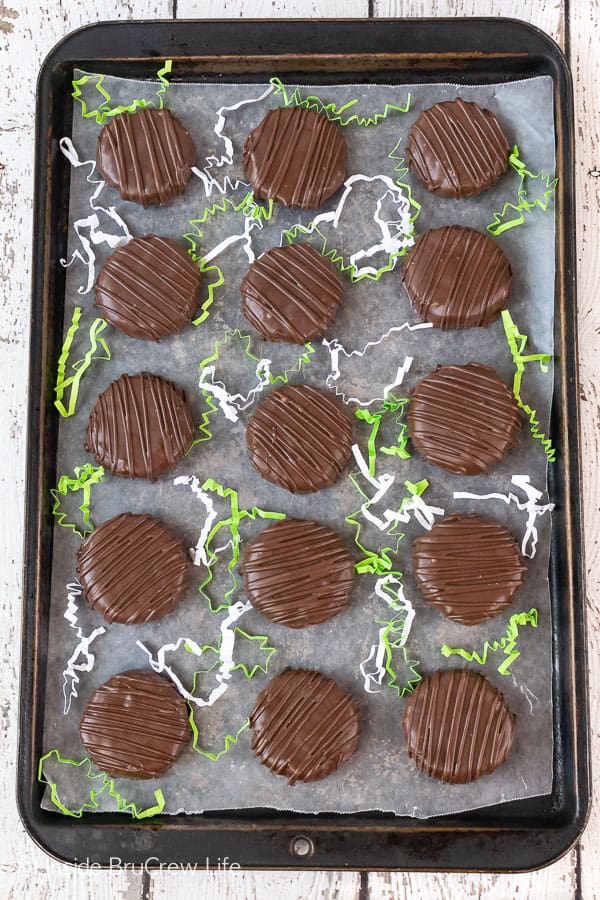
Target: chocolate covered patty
x,y
296,157
305,725
457,726
147,156
463,419
298,573
132,569
148,288
457,277
135,725
291,293
457,149
469,567
299,438
140,426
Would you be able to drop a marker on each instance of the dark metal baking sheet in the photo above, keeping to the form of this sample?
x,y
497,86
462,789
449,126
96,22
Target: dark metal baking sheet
x,y
513,836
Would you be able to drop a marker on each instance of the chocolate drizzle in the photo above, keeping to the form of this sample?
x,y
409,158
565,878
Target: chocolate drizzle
x,y
291,293
305,725
147,156
149,288
463,419
457,277
135,725
469,567
298,573
140,426
296,157
457,149
457,726
132,569
299,438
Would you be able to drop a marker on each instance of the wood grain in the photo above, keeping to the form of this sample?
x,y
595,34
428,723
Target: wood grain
x,y
585,64
26,33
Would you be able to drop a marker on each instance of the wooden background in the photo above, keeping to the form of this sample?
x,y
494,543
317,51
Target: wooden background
x,y
27,32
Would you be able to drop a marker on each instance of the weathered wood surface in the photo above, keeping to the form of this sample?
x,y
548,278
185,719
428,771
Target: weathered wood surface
x,y
27,32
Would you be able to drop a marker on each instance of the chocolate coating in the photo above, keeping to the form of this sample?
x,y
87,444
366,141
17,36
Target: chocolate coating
x,y
305,725
457,277
299,438
469,567
147,155
457,149
463,419
135,725
296,157
291,293
148,288
457,726
140,426
132,569
298,573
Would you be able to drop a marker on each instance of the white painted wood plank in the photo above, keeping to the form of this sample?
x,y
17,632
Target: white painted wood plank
x,y
27,33
546,14
585,61
256,885
261,9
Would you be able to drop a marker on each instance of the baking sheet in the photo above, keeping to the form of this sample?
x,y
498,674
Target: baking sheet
x,y
379,776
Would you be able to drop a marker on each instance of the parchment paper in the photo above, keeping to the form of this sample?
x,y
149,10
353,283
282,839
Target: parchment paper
x,y
380,776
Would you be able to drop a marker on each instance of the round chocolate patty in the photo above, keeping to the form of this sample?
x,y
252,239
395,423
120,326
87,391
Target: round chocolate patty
x,y
140,426
147,156
457,726
463,419
469,567
305,725
457,277
299,438
296,157
135,725
132,569
149,288
291,293
457,149
298,573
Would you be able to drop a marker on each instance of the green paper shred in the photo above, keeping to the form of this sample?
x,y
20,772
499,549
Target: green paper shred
x,y
506,644
394,405
230,740
513,214
249,208
333,112
104,110
517,343
396,658
65,382
85,477
245,341
106,785
230,523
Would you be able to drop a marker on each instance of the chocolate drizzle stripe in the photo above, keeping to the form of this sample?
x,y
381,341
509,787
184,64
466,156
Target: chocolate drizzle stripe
x,y
457,148
135,725
140,426
299,438
457,726
291,293
147,156
304,725
295,156
469,567
298,573
463,418
132,569
457,277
